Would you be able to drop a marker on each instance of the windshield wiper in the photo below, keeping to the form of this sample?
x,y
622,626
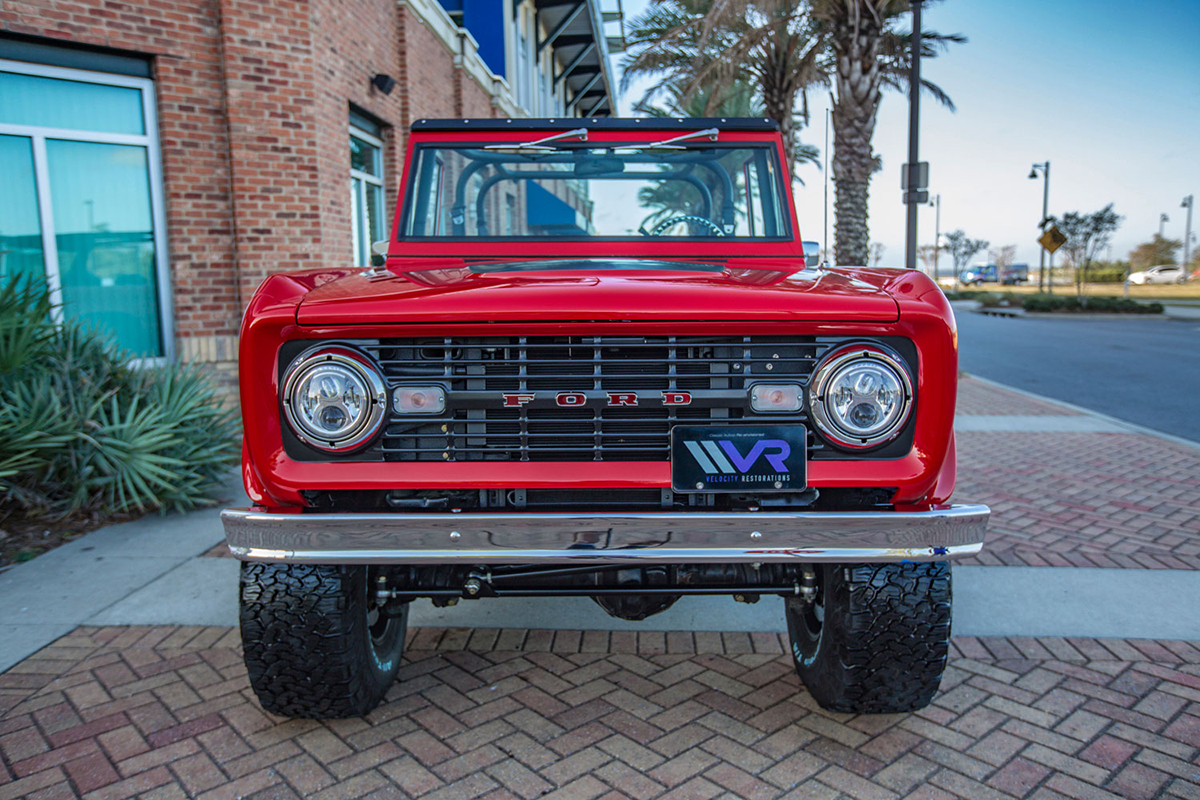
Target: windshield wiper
x,y
596,264
670,144
539,145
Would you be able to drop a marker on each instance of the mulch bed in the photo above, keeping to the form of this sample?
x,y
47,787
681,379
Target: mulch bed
x,y
23,537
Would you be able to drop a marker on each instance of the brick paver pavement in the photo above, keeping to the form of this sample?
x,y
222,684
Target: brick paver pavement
x,y
166,713
1079,499
977,397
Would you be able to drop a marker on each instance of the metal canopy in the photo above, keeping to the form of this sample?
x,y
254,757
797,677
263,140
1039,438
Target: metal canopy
x,y
575,34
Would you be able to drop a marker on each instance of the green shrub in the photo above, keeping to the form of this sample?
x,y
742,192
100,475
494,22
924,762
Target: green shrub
x,y
988,299
1071,304
998,299
82,431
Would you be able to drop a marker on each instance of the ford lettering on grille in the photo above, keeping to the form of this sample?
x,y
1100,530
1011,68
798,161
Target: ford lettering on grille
x,y
579,399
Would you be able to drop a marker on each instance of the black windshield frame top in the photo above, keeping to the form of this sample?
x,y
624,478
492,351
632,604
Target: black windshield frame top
x,y
686,165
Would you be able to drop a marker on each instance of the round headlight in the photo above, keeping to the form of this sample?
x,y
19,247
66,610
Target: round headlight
x,y
860,397
334,398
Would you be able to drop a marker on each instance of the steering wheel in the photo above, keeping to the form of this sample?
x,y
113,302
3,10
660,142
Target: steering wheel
x,y
658,229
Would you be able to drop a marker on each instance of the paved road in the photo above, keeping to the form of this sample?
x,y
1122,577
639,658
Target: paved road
x,y
1145,371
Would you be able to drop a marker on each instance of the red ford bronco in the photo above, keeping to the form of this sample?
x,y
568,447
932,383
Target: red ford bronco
x,y
597,361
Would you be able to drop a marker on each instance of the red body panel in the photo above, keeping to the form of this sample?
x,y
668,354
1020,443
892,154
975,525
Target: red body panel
x,y
763,290
458,294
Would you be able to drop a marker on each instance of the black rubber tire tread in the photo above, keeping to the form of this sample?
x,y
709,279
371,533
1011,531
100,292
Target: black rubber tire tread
x,y
884,640
306,641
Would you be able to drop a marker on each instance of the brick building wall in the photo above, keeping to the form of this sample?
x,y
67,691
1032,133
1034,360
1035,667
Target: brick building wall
x,y
183,38
427,71
353,40
253,108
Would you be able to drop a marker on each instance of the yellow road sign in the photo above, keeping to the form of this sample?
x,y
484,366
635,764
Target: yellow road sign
x,y
1052,239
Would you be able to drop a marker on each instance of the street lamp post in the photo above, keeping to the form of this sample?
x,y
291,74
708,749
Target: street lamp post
x,y
914,123
936,202
1043,283
1188,203
1163,219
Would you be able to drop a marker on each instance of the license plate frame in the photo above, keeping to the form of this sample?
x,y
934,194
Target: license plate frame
x,y
739,459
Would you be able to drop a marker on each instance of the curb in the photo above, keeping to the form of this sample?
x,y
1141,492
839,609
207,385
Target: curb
x,y
1011,313
1176,311
1131,427
1020,313
1084,315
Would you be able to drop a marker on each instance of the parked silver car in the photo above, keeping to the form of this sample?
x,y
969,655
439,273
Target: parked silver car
x,y
1165,273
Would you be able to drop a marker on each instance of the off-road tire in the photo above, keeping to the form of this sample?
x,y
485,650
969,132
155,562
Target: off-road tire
x,y
309,648
882,644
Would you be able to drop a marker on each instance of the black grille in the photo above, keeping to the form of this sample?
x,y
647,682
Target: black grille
x,y
477,372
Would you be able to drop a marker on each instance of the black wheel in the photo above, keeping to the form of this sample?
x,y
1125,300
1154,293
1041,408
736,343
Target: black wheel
x,y
317,643
876,639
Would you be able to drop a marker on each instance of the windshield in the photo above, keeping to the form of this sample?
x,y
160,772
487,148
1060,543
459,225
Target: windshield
x,y
590,191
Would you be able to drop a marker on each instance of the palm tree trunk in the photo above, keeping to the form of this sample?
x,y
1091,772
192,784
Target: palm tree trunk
x,y
856,48
779,100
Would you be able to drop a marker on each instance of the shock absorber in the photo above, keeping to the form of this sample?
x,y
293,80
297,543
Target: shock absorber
x,y
808,585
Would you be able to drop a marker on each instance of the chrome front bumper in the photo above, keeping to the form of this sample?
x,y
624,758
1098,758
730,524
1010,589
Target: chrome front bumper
x,y
663,538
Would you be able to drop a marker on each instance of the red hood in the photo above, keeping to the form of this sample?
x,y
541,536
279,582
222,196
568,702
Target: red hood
x,y
451,292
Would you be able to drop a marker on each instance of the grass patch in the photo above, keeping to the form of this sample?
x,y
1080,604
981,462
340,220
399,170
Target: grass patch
x,y
1189,292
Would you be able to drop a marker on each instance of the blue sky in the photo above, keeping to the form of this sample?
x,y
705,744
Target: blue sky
x,y
1108,91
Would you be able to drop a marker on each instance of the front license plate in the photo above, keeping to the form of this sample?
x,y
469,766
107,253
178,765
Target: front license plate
x,y
711,459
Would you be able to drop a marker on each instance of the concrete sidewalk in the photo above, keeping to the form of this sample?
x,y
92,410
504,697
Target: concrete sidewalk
x,y
112,572
988,601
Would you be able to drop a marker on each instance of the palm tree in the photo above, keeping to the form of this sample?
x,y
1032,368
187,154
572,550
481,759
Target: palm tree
x,y
712,51
736,99
669,198
784,48
869,53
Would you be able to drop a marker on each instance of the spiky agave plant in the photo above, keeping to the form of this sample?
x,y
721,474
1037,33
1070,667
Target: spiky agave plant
x,y
26,329
81,430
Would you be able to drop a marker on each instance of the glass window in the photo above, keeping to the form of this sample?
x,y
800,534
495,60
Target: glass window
x,y
82,203
699,191
104,232
523,70
429,203
367,222
20,229
74,105
364,157
510,215
544,95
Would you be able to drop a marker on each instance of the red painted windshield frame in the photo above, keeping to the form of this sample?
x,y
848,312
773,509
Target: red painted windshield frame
x,y
600,247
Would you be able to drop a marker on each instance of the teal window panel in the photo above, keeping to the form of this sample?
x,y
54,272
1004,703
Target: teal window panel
x,y
104,231
73,105
21,253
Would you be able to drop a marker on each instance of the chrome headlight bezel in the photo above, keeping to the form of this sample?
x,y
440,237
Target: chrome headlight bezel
x,y
832,366
363,370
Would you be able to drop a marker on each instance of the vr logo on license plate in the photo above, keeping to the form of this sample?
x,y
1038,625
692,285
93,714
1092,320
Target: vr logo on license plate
x,y
738,459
